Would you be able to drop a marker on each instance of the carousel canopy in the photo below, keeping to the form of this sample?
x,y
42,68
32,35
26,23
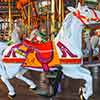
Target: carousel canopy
x,y
4,8
15,5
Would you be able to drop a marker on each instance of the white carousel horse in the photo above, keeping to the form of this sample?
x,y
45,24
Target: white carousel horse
x,y
4,25
3,46
71,38
92,43
10,70
15,34
95,42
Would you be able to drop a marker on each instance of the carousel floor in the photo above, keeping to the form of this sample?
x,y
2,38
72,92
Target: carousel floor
x,y
69,88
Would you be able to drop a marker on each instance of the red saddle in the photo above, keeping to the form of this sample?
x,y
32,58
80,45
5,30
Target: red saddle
x,y
44,52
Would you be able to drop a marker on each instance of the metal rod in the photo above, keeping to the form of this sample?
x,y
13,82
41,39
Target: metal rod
x,y
62,4
52,16
60,10
29,16
10,20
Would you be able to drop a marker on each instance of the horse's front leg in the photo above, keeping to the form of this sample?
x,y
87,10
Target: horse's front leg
x,y
76,72
11,93
88,89
26,80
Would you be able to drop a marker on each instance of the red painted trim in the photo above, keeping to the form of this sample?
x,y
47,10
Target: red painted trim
x,y
62,60
13,60
70,61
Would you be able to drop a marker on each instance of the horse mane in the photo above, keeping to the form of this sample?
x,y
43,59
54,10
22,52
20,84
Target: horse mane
x,y
67,23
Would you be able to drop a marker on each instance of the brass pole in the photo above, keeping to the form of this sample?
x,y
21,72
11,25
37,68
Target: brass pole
x,y
60,10
29,16
10,20
48,21
62,4
22,19
52,16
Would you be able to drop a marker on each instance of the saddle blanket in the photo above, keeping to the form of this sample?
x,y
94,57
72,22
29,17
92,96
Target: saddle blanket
x,y
32,61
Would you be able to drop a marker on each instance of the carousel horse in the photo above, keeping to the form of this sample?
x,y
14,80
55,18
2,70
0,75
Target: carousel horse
x,y
68,44
92,43
4,25
95,42
91,48
15,38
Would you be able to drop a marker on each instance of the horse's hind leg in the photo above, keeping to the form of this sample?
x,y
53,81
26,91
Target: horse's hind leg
x,y
26,80
11,90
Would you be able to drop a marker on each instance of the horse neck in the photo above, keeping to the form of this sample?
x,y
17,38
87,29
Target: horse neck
x,y
76,37
71,34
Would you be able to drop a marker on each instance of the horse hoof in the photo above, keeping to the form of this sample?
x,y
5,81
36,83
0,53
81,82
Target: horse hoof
x,y
81,94
82,97
11,96
33,89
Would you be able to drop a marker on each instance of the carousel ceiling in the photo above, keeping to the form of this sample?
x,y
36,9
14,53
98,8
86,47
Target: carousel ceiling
x,y
4,8
15,5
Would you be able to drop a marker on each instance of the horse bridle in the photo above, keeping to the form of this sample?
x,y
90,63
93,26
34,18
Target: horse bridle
x,y
82,17
96,18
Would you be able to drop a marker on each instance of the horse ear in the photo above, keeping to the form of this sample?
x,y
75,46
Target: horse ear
x,y
79,5
71,9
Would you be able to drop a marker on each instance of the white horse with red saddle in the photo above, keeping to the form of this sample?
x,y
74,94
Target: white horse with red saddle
x,y
68,45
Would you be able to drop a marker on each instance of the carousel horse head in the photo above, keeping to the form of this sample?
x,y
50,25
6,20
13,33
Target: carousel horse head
x,y
85,14
71,31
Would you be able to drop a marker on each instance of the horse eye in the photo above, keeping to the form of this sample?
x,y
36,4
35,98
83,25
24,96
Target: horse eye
x,y
86,10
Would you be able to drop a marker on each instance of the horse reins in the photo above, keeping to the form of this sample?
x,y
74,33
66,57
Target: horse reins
x,y
96,18
82,17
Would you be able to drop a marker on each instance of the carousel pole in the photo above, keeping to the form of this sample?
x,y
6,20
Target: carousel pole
x,y
60,14
10,20
62,4
53,16
47,21
29,16
22,18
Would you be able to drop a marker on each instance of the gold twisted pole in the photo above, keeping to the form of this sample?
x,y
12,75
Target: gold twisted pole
x,y
10,20
62,4
29,16
60,10
52,16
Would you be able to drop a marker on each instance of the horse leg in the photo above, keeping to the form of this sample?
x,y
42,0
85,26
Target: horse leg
x,y
11,90
77,72
88,90
26,80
